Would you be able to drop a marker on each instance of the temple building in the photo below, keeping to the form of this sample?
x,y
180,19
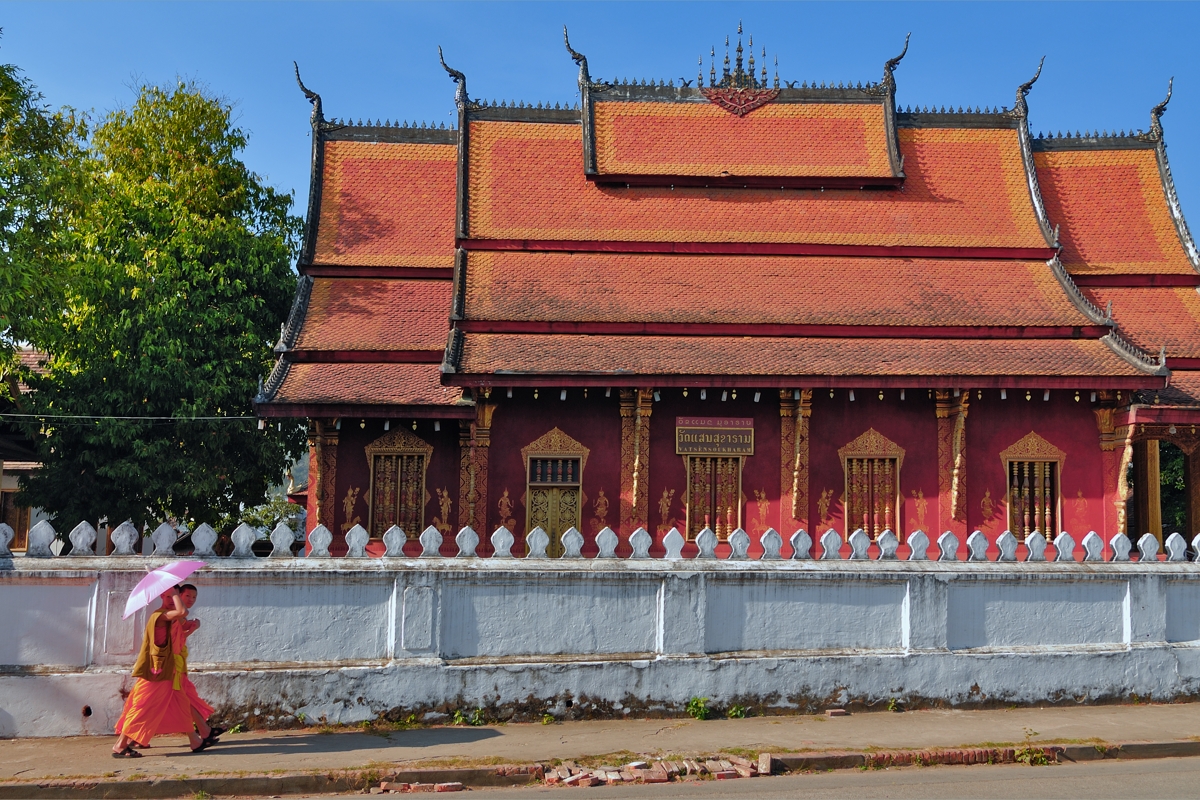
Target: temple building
x,y
740,303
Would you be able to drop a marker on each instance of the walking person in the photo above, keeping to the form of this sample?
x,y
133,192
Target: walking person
x,y
201,710
158,703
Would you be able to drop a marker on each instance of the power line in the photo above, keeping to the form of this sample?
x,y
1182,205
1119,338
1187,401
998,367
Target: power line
x,y
105,416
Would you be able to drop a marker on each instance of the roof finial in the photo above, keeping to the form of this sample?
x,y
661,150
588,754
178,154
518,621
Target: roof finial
x,y
314,98
739,27
890,65
699,71
580,60
1160,109
460,94
1021,106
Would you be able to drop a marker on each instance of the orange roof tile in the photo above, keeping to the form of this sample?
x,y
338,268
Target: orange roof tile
x,y
532,354
1156,316
965,188
387,204
822,290
779,139
376,314
1112,212
365,384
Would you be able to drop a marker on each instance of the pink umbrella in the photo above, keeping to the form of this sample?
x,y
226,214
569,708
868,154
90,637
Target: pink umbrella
x,y
151,587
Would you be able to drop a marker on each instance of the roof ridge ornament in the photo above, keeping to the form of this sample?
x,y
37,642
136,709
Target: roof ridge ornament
x,y
1160,109
579,58
1021,107
318,115
889,67
460,80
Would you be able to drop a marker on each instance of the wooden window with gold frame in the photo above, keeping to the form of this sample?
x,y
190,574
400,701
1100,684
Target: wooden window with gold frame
x,y
1032,471
714,494
398,461
871,464
554,465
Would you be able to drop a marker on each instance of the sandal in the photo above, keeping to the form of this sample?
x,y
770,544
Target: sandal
x,y
212,739
214,732
204,745
128,752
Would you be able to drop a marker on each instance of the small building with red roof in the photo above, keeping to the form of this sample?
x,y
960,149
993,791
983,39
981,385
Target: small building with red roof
x,y
739,303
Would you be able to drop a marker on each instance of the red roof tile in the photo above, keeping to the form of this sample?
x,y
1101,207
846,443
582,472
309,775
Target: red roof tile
x,y
1112,212
365,384
1183,391
628,356
1155,316
965,188
370,314
387,204
614,287
779,139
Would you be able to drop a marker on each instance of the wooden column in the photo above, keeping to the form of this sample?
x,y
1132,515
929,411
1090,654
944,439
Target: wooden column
x,y
1147,489
636,407
1113,461
793,460
474,446
952,462
322,478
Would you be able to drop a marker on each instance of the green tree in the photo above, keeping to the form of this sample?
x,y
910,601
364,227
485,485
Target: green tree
x,y
179,278
40,177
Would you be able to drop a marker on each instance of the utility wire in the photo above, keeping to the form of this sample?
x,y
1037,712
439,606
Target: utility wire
x,y
102,416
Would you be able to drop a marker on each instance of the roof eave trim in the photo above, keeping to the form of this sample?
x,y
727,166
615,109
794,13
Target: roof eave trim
x,y
463,101
289,332
1080,301
316,172
586,106
274,382
453,354
1021,112
1136,356
1168,182
889,111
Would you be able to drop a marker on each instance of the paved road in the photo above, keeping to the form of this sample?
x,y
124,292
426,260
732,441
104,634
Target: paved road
x,y
1120,780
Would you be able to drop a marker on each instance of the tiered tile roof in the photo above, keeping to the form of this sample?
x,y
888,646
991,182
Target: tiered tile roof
x,y
794,140
964,188
722,233
387,204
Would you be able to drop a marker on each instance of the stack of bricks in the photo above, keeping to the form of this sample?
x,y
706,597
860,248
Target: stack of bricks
x,y
570,774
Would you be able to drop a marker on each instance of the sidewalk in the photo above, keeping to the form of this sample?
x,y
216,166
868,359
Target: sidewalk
x,y
311,751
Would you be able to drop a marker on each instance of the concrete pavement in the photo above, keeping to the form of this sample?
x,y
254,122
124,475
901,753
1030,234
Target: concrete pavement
x,y
312,751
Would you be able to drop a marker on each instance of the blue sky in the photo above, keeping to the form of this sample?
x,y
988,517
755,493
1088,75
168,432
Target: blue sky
x,y
1106,64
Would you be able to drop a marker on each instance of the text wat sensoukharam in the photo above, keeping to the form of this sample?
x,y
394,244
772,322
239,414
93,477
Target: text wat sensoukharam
x,y
736,302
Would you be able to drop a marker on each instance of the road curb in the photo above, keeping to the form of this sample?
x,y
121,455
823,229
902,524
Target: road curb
x,y
525,774
328,783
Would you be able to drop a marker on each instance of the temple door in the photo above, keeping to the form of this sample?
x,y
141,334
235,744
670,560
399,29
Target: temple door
x,y
714,494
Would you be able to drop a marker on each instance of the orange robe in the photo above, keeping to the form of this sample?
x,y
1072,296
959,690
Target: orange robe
x,y
197,702
158,704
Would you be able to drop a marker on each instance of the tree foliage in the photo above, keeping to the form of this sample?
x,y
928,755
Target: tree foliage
x,y
178,278
40,156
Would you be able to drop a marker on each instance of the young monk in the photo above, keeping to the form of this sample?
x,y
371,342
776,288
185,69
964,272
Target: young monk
x,y
201,710
158,704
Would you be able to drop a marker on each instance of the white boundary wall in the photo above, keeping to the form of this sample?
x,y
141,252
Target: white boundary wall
x,y
348,639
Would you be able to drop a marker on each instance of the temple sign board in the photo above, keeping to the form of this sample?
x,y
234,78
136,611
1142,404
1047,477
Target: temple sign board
x,y
714,436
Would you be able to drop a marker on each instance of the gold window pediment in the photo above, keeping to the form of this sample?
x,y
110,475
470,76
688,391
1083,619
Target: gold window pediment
x,y
399,442
555,443
872,444
1032,447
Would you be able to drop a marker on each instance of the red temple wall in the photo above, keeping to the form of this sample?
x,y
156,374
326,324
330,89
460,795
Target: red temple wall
x,y
993,425
668,471
594,422
352,482
836,421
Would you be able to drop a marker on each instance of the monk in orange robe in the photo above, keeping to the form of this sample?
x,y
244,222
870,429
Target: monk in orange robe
x,y
201,710
158,704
